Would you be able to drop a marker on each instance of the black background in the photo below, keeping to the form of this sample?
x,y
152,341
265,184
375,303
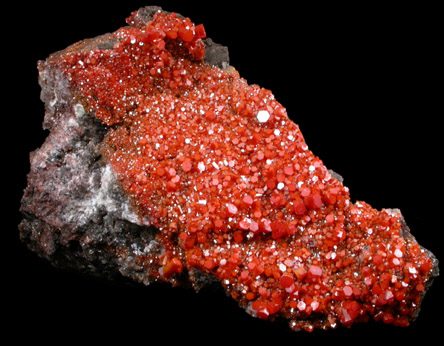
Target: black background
x,y
361,82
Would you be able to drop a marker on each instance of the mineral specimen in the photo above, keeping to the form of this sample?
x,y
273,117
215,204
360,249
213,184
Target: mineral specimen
x,y
163,164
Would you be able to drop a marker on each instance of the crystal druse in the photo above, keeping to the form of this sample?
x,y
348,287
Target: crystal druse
x,y
163,164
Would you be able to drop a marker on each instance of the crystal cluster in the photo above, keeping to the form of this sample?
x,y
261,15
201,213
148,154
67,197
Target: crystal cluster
x,y
225,178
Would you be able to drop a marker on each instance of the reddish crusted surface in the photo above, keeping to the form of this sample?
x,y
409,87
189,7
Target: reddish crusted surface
x,y
219,168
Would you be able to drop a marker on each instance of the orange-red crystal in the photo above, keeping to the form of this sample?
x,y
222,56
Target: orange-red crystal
x,y
219,168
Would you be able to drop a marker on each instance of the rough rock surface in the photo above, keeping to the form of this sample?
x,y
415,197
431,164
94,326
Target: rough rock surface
x,y
75,213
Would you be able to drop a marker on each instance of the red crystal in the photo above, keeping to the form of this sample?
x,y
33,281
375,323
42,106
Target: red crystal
x,y
173,266
219,168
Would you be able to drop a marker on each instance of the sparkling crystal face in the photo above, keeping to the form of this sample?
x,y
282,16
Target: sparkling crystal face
x,y
219,168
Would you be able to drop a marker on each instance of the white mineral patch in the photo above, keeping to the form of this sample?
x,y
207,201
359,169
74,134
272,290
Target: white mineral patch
x,y
79,111
99,197
263,116
201,166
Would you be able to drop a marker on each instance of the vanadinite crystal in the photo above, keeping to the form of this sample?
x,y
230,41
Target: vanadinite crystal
x,y
216,166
